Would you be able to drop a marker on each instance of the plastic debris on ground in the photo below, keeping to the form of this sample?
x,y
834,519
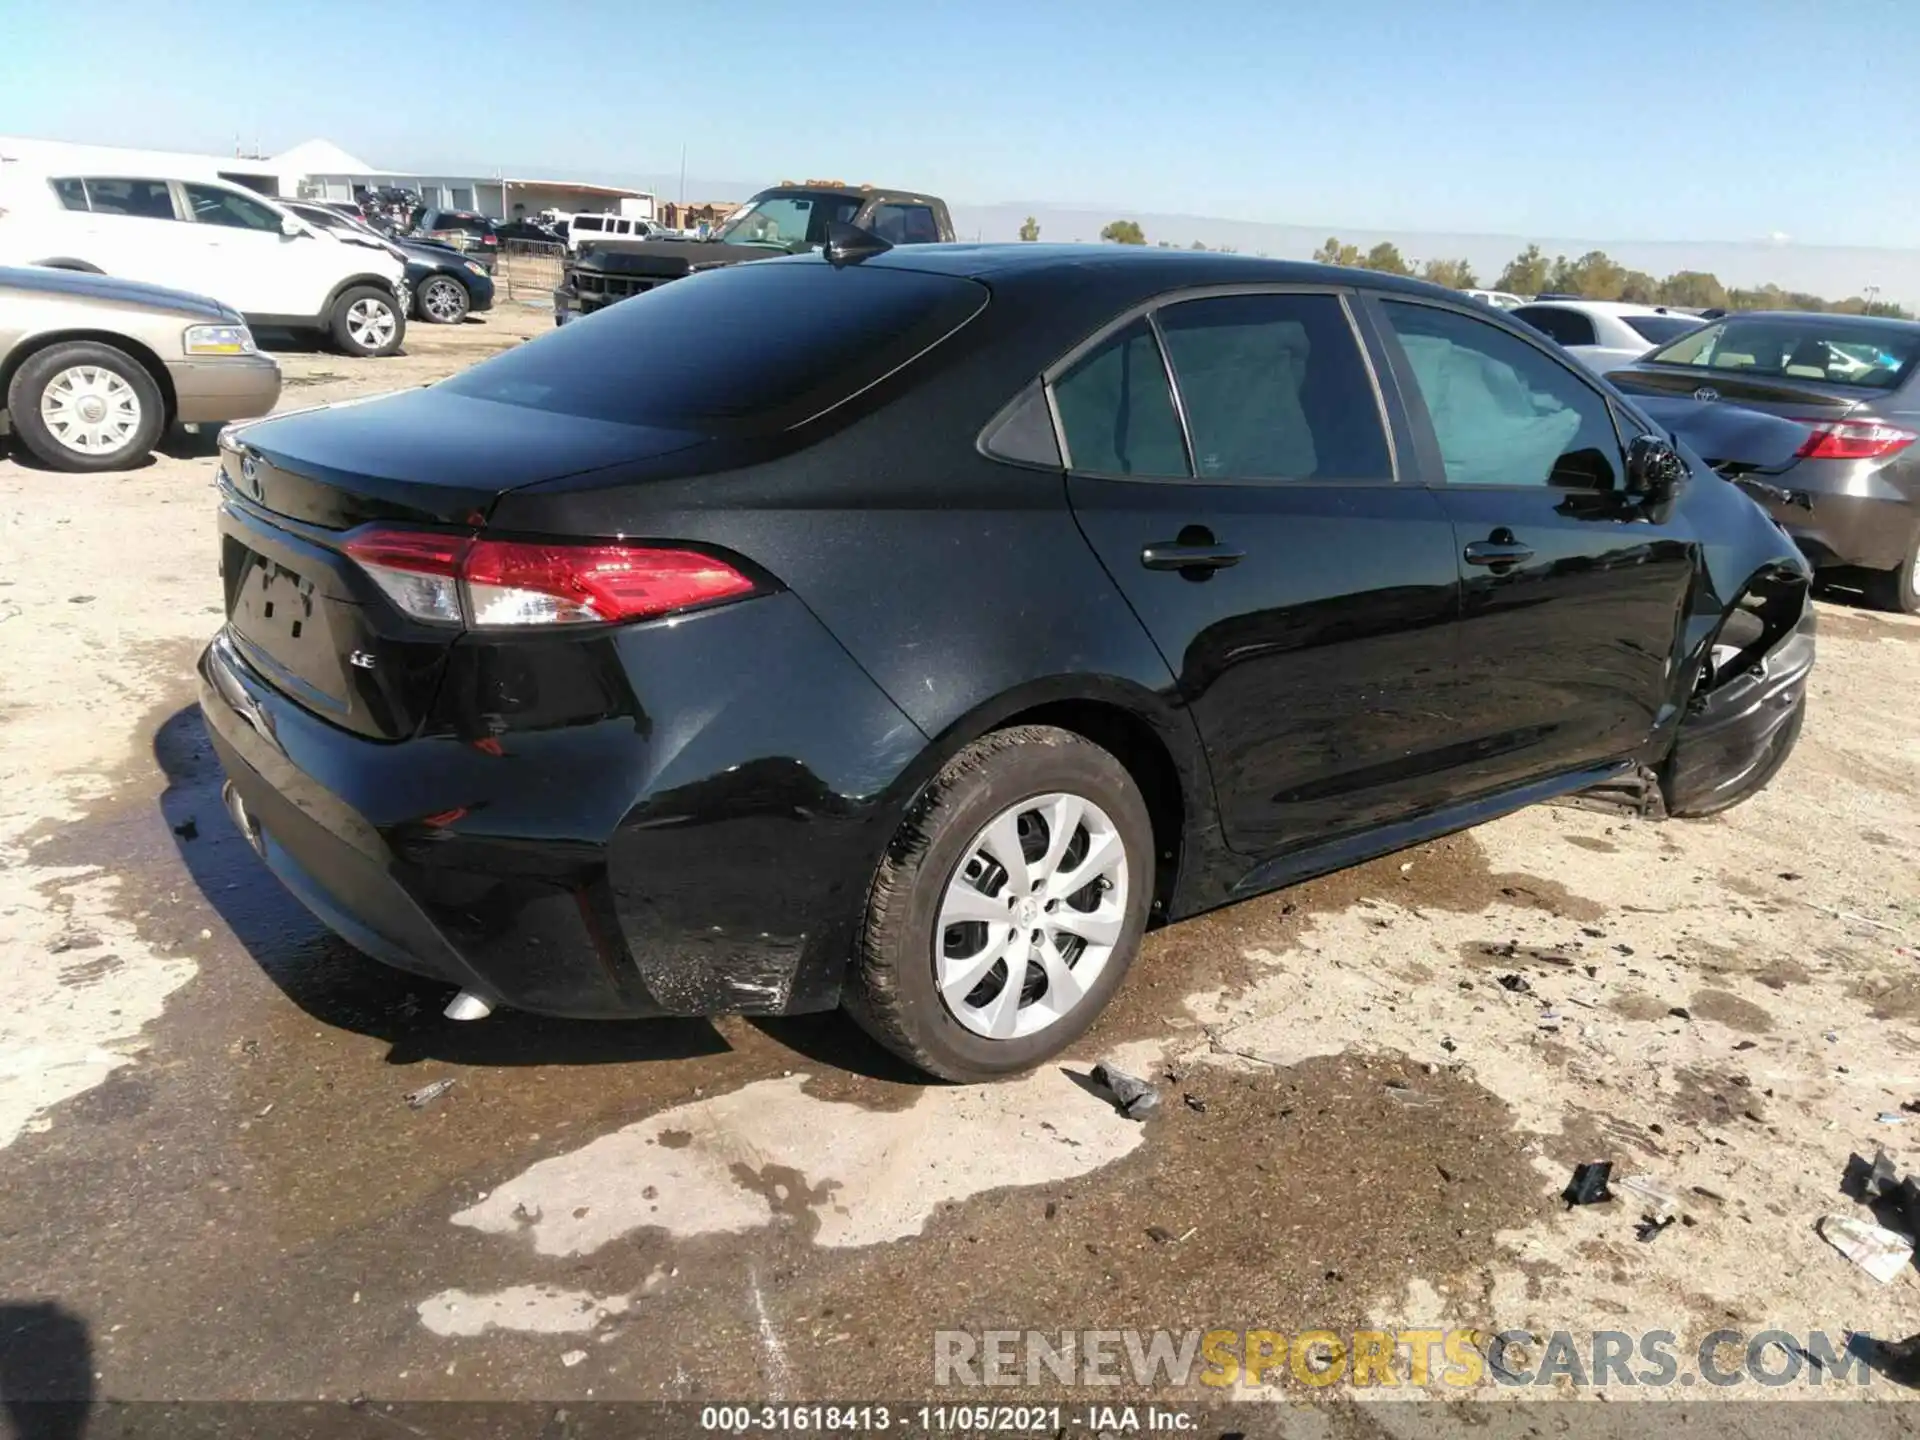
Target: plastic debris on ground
x,y
427,1094
1662,1203
1589,1184
1881,1252
1135,1098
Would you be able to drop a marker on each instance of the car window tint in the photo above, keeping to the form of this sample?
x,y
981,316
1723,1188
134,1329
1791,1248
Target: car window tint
x,y
1117,412
213,206
780,341
143,199
1659,329
586,222
72,193
904,224
1830,348
1568,327
1503,412
1274,388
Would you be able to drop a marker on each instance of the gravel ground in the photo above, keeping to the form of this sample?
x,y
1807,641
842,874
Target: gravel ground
x,y
212,1187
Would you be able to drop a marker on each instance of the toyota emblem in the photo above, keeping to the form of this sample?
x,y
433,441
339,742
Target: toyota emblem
x,y
1706,393
250,472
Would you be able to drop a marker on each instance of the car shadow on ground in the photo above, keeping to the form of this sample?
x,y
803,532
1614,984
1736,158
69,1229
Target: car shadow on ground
x,y
46,1370
180,443
338,986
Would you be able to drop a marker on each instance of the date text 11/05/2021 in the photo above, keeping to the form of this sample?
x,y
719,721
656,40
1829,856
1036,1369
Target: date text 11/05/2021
x,y
947,1419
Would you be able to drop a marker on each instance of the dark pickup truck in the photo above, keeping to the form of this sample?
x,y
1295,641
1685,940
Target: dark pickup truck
x,y
785,220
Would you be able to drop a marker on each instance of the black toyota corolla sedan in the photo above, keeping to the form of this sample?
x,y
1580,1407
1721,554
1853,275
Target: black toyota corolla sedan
x,y
910,630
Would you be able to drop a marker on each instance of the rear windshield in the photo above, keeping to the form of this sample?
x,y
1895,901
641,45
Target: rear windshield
x,y
1659,329
765,345
472,224
1832,349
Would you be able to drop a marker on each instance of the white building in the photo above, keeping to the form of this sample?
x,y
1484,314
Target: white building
x,y
321,170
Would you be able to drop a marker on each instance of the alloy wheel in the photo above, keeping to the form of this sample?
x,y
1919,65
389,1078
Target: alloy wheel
x,y
371,323
442,300
90,410
1030,916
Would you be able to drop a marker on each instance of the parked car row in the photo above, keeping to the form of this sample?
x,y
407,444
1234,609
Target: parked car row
x,y
446,285
207,237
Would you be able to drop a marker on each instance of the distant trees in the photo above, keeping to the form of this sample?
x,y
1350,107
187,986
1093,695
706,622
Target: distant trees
x,y
1526,274
1124,232
1029,229
1385,257
1334,253
1454,274
1596,275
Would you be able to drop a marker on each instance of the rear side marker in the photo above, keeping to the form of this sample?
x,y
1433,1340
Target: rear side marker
x,y
460,579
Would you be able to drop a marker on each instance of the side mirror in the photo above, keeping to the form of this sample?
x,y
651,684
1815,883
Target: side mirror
x,y
1655,470
290,227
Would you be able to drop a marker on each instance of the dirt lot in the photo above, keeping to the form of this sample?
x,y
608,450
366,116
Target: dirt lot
x,y
212,1186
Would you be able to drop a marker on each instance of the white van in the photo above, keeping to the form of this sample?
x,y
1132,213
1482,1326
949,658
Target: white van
x,y
208,238
583,229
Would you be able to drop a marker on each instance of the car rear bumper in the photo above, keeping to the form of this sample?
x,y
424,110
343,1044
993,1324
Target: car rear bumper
x,y
236,387
704,852
1845,514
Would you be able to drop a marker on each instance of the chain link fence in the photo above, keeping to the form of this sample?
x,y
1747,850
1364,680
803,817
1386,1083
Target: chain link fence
x,y
529,270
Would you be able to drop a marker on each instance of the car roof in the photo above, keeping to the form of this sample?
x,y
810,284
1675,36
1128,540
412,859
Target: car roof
x,y
1605,307
974,261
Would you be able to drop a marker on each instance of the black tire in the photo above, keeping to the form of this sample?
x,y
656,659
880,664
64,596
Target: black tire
x,y
445,292
29,387
892,991
1897,589
350,334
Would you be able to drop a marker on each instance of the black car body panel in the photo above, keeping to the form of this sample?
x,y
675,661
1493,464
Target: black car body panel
x,y
684,815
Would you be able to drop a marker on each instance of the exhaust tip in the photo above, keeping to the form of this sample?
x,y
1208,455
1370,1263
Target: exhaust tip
x,y
468,1006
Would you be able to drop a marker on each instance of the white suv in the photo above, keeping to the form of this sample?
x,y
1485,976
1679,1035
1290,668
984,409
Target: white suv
x,y
208,238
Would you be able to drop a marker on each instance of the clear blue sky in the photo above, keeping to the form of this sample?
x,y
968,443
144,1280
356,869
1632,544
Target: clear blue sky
x,y
1622,119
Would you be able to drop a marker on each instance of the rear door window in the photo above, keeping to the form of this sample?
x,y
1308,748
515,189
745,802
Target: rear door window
x,y
904,224
1659,329
1116,409
780,341
1569,327
143,199
72,193
213,206
1504,413
1275,388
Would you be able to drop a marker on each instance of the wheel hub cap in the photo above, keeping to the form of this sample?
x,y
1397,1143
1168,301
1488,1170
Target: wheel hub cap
x,y
1030,916
90,410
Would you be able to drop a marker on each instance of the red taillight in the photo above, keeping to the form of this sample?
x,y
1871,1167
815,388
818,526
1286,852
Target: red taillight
x,y
489,239
516,583
1853,440
457,579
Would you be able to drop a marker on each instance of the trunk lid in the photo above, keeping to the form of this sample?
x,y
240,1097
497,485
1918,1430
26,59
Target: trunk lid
x,y
426,456
1786,395
1731,438
294,487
